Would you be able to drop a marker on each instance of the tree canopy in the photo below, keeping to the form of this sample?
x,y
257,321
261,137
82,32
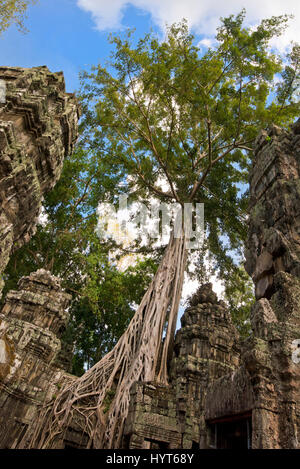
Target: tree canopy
x,y
168,111
13,12
66,244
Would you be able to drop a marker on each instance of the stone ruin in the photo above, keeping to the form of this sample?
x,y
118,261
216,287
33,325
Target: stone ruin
x,y
206,348
223,392
38,127
31,368
266,387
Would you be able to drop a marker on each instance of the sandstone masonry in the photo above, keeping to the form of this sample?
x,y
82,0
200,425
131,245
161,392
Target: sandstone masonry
x,y
266,387
31,322
38,127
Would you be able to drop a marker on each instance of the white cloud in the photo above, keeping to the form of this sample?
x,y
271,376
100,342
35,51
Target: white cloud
x,y
190,287
107,15
202,15
43,217
205,43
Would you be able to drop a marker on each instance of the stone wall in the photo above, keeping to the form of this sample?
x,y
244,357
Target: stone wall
x,y
267,385
38,127
31,322
273,243
206,347
249,391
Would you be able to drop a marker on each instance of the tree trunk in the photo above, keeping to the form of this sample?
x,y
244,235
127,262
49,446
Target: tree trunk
x,y
99,400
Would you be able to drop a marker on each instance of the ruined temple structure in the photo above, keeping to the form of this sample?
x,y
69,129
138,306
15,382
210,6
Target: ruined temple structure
x,y
222,392
265,390
38,127
223,396
206,347
32,368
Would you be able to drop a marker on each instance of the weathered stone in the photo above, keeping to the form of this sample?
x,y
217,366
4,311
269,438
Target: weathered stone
x,y
206,347
222,393
267,385
38,127
273,239
275,227
29,345
232,394
3,352
261,316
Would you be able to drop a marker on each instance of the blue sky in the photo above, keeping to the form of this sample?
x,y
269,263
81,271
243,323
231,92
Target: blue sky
x,y
71,35
63,37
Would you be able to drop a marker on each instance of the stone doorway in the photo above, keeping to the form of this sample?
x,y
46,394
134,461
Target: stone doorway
x,y
233,432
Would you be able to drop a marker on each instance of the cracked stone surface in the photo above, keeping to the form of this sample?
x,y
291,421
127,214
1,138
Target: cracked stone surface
x,y
38,128
267,384
31,323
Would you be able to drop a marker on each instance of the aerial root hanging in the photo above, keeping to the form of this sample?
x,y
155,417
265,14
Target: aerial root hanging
x,y
98,402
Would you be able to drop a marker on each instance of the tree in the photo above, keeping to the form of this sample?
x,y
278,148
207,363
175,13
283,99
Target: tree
x,y
13,12
169,112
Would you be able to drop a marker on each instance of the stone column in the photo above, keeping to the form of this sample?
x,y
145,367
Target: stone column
x,y
273,261
31,322
38,128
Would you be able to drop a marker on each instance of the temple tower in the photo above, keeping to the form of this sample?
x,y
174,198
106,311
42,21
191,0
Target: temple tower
x,y
31,367
38,128
206,347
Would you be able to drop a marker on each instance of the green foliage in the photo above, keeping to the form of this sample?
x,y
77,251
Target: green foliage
x,y
14,12
239,293
167,111
288,88
108,400
98,324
